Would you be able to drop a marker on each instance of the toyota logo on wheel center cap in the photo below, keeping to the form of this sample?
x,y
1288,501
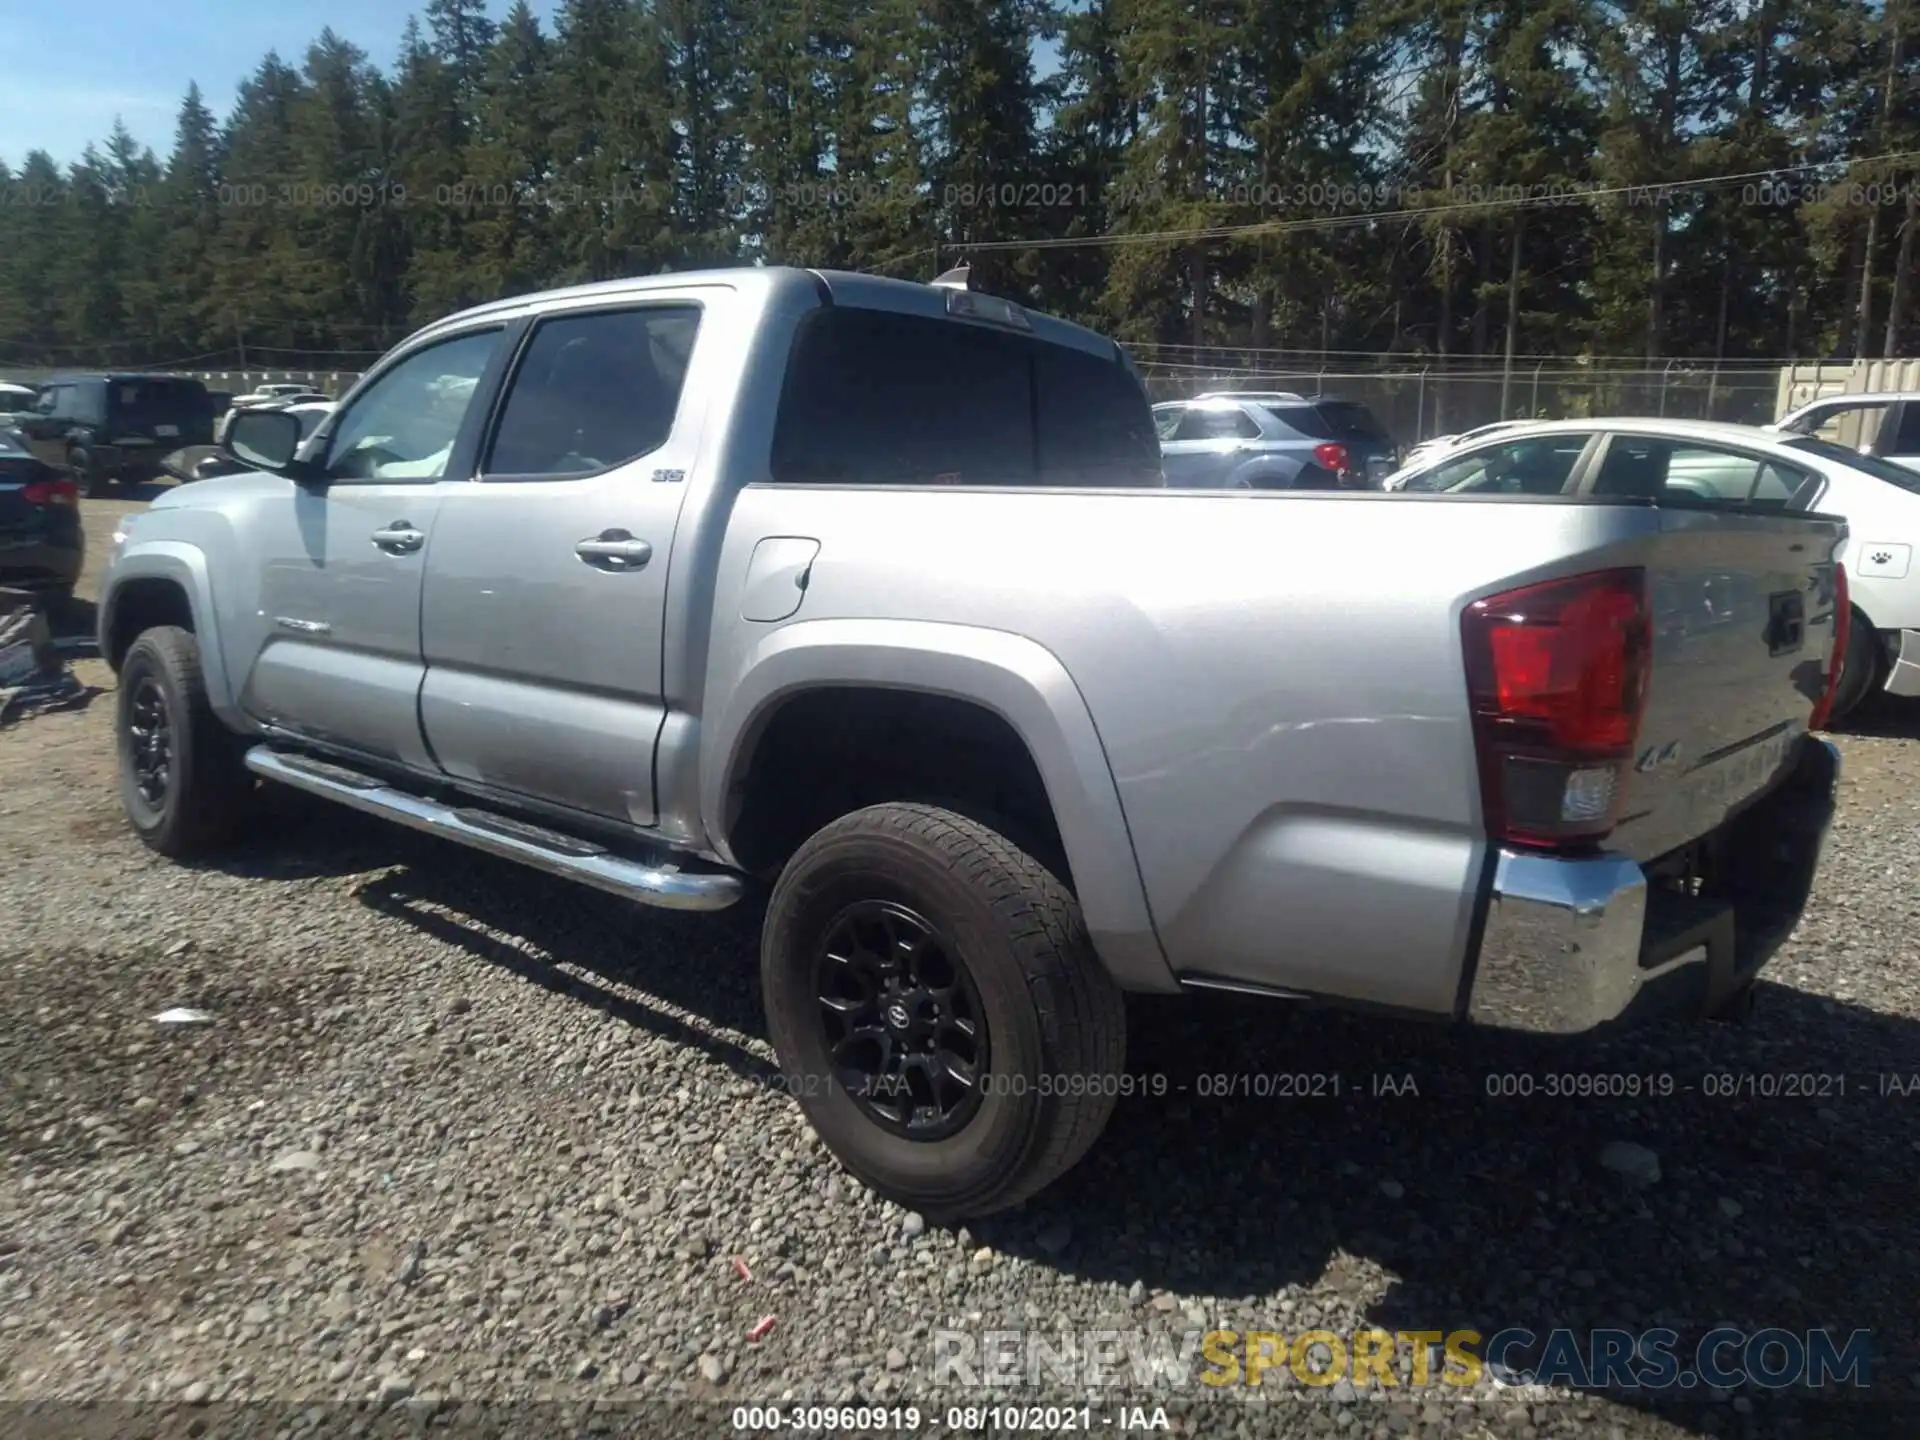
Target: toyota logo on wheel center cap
x,y
897,1016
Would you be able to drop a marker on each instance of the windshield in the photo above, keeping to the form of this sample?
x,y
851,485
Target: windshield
x,y
1867,464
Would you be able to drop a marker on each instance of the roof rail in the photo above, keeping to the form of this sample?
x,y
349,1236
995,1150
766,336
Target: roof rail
x,y
1248,395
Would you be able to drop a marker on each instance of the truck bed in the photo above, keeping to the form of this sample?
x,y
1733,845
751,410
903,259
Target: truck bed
x,y
1278,684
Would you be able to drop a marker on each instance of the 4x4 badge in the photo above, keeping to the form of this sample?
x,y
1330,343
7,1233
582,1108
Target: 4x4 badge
x,y
1655,757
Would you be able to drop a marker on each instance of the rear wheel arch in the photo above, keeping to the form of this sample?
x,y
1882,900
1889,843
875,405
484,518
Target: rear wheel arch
x,y
1263,475
1007,696
829,750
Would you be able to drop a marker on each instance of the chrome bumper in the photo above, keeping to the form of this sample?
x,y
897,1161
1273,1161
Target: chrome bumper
x,y
1903,678
1569,944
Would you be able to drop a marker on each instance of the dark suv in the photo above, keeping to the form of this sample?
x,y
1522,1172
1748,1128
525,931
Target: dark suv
x,y
103,429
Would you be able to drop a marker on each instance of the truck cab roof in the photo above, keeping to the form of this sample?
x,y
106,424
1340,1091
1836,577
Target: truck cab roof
x,y
775,282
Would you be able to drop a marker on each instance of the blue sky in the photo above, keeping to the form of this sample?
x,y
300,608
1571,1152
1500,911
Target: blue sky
x,y
140,54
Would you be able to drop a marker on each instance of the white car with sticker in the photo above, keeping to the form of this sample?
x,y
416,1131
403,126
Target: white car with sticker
x,y
1717,464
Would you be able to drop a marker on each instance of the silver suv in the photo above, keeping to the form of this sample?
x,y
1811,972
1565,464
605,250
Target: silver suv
x,y
1272,440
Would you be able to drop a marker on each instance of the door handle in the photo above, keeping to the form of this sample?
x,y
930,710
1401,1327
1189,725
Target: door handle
x,y
614,550
399,537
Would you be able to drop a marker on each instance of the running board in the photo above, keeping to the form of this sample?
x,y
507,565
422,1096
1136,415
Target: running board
x,y
565,855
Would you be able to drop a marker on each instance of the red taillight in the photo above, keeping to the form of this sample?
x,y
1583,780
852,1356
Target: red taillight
x,y
1334,456
1557,674
1842,627
51,492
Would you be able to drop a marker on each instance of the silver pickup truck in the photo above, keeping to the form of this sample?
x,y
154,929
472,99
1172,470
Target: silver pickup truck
x,y
871,591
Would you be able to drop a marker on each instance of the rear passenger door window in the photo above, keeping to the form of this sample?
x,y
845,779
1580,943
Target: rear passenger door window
x,y
1677,470
1539,465
592,392
1216,424
1303,418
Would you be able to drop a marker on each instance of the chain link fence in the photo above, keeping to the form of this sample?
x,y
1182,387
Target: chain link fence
x,y
1417,405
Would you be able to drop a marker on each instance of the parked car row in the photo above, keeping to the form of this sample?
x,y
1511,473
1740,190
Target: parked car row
x,y
106,429
42,546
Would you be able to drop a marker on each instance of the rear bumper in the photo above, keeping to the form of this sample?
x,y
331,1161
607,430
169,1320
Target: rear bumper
x,y
40,563
1570,945
1903,676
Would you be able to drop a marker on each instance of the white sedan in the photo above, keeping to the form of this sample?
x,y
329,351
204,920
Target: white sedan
x,y
1420,454
1687,463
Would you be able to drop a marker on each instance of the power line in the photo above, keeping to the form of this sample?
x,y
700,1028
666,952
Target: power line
x,y
1229,349
1419,212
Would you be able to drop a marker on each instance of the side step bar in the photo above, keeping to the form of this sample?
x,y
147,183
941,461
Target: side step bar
x,y
665,885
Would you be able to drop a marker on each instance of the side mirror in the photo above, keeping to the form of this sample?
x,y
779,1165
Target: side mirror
x,y
176,466
267,440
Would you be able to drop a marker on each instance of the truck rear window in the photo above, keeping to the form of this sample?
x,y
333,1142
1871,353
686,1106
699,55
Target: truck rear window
x,y
876,397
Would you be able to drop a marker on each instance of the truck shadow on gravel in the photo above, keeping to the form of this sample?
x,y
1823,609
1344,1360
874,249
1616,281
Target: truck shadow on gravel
x,y
1448,1179
1884,717
1423,1176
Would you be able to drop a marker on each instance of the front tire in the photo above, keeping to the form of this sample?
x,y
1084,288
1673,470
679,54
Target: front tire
x,y
182,780
938,1009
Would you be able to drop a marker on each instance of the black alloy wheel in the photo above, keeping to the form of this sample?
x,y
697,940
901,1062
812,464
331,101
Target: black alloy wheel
x,y
150,741
905,1029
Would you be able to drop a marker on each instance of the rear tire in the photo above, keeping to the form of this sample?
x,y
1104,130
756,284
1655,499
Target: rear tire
x,y
1861,672
81,467
182,780
941,895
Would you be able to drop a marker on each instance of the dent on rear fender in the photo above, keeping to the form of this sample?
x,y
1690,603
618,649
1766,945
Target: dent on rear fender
x,y
1360,907
1019,680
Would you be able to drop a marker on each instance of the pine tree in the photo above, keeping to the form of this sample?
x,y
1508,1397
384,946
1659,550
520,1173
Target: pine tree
x,y
429,167
463,37
612,194
257,262
503,198
189,218
702,55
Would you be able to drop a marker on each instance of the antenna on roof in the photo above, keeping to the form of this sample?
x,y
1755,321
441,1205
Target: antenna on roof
x,y
954,279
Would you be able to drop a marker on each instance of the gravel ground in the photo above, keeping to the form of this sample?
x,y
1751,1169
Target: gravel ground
x,y
458,1133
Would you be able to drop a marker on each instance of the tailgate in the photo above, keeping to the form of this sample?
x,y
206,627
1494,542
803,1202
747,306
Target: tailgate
x,y
159,411
1743,630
